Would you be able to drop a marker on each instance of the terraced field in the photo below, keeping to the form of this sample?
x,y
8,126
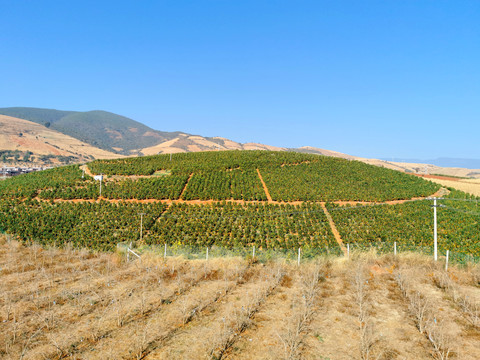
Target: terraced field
x,y
77,305
234,199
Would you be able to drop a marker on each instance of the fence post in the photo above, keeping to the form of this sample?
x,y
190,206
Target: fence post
x,y
395,248
253,253
348,250
446,261
207,253
165,252
128,251
299,249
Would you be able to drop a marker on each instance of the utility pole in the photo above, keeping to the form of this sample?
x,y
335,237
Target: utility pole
x,y
170,156
141,225
101,179
435,242
435,247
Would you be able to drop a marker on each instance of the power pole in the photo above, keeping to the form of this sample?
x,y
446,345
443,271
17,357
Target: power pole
x,y
435,242
141,225
101,179
435,247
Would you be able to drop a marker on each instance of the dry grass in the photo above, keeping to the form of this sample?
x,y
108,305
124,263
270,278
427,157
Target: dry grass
x,y
71,304
39,139
471,186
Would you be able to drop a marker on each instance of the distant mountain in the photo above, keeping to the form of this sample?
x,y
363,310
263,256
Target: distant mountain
x,y
102,129
444,162
193,143
101,134
24,142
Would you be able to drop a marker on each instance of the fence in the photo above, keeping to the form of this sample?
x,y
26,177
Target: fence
x,y
304,255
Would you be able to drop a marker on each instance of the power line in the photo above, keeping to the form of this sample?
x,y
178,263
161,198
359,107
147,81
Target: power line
x,y
462,210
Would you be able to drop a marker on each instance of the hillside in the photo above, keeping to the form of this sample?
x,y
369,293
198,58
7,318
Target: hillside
x,y
193,143
101,129
25,142
121,135
271,200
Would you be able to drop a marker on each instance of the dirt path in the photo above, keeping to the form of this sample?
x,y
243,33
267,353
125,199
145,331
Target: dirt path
x,y
267,193
262,340
334,328
335,232
394,329
185,187
439,193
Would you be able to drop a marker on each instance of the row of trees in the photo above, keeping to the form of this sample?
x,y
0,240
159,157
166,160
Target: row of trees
x,y
330,179
29,185
232,225
222,185
102,225
199,162
165,187
226,175
97,226
411,226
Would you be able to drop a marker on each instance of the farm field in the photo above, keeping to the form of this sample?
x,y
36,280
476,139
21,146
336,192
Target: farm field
x,y
238,199
471,186
74,304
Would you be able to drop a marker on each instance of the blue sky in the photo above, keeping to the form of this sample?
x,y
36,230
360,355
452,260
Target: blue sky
x,y
369,78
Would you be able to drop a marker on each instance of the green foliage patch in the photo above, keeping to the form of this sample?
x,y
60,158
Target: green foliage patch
x,y
98,226
232,225
411,225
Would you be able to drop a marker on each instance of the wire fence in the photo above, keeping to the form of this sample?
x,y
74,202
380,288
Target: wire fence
x,y
297,255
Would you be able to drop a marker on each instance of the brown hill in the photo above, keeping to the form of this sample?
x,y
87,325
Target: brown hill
x,y
18,136
192,143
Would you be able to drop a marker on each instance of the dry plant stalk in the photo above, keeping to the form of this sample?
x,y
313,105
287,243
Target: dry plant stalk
x,y
239,319
362,299
427,323
304,309
469,306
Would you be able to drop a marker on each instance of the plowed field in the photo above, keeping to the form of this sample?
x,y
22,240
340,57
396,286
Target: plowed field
x,y
72,304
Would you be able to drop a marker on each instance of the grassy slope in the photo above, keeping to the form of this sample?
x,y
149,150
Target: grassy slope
x,y
98,128
210,176
20,135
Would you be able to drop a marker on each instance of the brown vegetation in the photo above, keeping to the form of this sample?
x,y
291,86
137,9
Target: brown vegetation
x,y
72,304
43,141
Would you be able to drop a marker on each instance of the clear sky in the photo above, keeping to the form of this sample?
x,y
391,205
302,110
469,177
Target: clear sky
x,y
390,78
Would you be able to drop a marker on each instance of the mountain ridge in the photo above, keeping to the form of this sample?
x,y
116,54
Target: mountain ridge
x,y
121,136
99,128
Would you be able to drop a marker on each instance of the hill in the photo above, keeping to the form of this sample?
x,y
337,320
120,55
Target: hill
x,y
101,129
121,135
193,143
25,142
271,200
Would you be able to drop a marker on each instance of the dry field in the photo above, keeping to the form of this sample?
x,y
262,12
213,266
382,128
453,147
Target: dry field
x,y
71,304
471,186
43,141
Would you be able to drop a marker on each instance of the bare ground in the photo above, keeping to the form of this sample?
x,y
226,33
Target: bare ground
x,y
72,304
